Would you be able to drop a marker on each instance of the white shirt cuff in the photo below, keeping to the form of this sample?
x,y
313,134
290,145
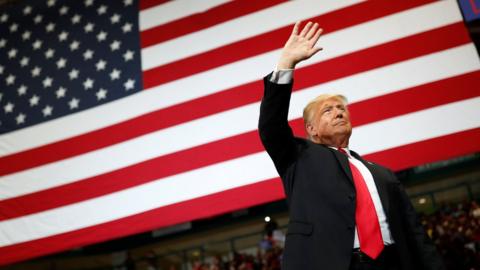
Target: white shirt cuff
x,y
282,76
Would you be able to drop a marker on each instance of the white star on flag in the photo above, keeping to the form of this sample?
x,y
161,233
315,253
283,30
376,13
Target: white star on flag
x,y
102,10
129,84
22,90
34,100
47,82
128,55
50,27
38,19
115,45
24,62
26,35
10,79
61,63
47,110
89,27
88,84
21,118
76,19
73,103
27,10
101,36
63,36
100,65
60,92
9,107
101,94
36,71
88,54
73,74
63,10
115,74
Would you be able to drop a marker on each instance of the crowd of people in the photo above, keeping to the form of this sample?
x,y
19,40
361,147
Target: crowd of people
x,y
268,260
267,257
454,228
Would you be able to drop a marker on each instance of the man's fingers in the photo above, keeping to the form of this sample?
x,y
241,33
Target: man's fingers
x,y
311,32
296,27
314,51
316,36
305,29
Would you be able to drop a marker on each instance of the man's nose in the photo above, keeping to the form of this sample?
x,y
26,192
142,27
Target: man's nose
x,y
339,113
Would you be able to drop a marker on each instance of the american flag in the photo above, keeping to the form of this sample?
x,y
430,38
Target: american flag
x,y
119,117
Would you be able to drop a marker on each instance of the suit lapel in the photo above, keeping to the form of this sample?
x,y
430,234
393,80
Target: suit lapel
x,y
343,160
380,182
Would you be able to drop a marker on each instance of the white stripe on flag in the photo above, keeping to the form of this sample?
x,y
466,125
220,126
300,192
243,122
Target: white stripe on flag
x,y
174,10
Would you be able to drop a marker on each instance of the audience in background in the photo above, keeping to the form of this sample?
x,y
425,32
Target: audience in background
x,y
454,228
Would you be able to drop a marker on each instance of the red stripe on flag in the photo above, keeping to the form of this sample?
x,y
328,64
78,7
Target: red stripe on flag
x,y
351,15
144,4
230,200
413,99
203,207
359,61
407,156
199,21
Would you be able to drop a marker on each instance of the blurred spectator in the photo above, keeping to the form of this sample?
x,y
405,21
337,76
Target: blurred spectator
x,y
129,263
455,229
151,261
272,236
217,263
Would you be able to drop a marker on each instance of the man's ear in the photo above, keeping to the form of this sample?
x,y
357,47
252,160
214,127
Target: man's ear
x,y
311,130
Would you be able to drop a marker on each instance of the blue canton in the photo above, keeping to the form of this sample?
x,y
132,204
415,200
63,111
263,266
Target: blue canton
x,y
59,57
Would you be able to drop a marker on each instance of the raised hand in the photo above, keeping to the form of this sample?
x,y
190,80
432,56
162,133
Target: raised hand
x,y
300,46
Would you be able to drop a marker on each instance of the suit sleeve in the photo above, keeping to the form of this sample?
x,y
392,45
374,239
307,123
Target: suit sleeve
x,y
423,247
275,133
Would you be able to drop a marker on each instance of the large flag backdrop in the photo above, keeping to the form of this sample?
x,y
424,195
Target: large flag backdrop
x,y
119,117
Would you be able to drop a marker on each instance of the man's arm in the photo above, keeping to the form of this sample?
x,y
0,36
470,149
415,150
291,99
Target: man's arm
x,y
275,133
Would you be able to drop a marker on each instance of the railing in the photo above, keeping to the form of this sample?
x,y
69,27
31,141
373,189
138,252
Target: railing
x,y
428,202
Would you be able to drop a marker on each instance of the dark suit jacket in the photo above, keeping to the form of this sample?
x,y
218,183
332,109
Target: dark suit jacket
x,y
321,197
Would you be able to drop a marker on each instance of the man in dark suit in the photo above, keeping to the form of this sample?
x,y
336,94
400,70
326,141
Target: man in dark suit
x,y
345,212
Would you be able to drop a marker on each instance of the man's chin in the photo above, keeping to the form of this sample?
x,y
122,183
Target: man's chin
x,y
344,130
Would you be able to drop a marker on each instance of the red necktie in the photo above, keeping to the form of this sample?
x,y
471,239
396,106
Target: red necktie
x,y
369,235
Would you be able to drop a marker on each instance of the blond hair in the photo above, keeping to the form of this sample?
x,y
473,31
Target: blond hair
x,y
310,109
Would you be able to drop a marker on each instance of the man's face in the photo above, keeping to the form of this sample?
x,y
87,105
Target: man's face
x,y
331,119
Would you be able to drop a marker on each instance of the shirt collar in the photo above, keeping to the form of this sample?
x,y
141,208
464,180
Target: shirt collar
x,y
345,149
